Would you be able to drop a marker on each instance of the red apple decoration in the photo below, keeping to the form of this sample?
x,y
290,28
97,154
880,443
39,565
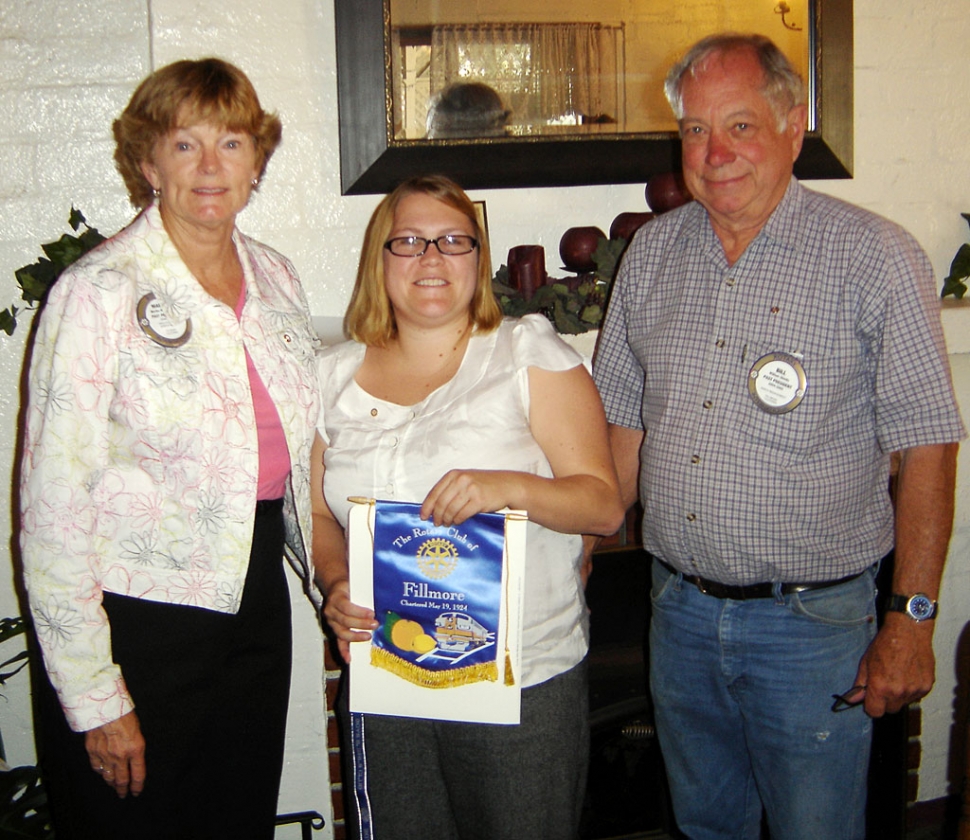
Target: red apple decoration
x,y
627,224
577,246
666,191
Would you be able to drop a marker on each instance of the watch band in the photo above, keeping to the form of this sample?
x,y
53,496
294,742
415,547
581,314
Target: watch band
x,y
918,607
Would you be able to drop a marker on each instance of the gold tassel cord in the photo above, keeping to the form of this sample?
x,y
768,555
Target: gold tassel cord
x,y
509,676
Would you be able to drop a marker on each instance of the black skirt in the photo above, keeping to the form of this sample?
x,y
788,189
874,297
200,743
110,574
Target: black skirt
x,y
211,693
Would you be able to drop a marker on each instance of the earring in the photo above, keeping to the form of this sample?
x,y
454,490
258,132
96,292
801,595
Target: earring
x,y
156,192
255,182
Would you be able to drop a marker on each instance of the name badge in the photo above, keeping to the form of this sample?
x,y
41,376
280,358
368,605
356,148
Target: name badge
x,y
777,382
158,326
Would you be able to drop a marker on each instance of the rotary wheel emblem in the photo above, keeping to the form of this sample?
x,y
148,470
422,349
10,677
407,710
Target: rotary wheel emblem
x,y
437,558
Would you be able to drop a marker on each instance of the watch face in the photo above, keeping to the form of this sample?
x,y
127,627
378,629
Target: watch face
x,y
920,607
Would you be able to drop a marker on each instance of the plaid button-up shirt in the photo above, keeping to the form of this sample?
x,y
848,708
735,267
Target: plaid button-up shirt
x,y
739,494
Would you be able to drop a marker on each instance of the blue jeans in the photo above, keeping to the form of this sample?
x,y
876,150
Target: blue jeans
x,y
743,695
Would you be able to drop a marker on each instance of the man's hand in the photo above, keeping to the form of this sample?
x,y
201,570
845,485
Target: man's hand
x,y
899,666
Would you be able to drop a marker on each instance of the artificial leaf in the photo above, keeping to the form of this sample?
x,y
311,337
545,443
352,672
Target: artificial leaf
x,y
514,307
953,284
6,675
8,320
91,238
10,627
566,322
64,251
76,219
606,256
35,279
501,289
955,287
960,267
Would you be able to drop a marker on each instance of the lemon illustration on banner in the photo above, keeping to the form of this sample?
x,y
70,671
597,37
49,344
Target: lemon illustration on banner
x,y
407,635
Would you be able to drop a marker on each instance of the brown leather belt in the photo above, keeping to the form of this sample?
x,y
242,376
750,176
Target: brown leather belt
x,y
735,592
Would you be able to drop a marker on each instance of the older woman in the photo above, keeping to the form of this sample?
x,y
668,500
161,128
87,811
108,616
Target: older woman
x,y
440,401
172,398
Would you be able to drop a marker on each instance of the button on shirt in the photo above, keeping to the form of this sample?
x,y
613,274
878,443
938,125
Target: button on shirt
x,y
740,494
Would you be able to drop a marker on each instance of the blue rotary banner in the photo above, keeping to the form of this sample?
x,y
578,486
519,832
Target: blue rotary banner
x,y
438,595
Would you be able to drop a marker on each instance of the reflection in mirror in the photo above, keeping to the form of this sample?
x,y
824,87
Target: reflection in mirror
x,y
466,109
600,73
383,135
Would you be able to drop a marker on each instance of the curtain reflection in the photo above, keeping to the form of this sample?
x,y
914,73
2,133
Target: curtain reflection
x,y
548,75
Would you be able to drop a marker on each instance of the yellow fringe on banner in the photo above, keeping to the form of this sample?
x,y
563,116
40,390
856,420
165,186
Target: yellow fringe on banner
x,y
486,671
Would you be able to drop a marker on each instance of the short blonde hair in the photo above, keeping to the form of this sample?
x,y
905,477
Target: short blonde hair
x,y
370,316
208,90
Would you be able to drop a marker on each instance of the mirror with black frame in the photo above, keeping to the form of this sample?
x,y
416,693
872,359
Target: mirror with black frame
x,y
558,95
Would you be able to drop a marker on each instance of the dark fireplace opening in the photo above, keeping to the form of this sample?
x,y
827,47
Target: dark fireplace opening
x,y
626,792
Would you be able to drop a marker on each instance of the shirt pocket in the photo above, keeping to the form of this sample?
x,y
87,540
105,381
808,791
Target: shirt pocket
x,y
812,425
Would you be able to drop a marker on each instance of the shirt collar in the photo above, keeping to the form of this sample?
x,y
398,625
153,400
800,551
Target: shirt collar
x,y
786,226
164,265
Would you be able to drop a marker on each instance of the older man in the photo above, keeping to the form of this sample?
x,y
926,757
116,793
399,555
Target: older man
x,y
765,350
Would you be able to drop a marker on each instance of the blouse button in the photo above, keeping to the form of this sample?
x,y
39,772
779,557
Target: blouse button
x,y
287,338
373,412
708,403
695,459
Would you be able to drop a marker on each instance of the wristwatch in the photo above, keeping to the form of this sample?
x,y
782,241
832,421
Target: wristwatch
x,y
918,607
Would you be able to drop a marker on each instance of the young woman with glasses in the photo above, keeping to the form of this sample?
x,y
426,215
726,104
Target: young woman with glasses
x,y
438,400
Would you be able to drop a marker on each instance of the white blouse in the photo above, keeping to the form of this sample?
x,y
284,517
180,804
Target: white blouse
x,y
477,420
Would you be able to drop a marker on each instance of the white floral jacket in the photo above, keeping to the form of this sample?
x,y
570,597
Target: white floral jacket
x,y
140,458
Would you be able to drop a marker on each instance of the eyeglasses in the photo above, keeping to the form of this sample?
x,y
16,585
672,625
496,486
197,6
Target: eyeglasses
x,y
852,698
450,245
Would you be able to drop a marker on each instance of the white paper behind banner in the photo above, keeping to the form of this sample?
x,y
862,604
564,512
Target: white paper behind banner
x,y
377,691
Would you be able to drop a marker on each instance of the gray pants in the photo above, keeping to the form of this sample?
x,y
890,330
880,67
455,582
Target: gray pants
x,y
468,781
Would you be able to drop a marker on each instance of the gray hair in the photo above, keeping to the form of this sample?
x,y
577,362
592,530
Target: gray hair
x,y
467,109
783,87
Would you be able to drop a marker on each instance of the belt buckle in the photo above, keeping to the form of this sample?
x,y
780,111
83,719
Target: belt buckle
x,y
699,583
